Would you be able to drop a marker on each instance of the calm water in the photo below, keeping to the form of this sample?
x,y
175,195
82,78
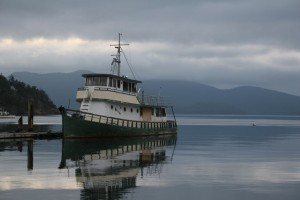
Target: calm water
x,y
212,157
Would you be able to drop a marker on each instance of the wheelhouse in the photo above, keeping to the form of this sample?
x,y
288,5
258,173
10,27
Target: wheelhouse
x,y
110,81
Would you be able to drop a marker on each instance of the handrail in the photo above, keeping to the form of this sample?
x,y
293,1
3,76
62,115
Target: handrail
x,y
153,100
98,88
120,122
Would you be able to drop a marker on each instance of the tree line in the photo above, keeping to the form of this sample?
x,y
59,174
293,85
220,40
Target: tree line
x,y
14,97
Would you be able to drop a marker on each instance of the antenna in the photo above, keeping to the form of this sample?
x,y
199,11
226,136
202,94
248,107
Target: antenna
x,y
116,63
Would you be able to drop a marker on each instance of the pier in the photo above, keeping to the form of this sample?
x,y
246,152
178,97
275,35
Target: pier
x,y
30,135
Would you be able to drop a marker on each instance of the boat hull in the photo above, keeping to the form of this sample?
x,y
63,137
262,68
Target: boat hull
x,y
75,127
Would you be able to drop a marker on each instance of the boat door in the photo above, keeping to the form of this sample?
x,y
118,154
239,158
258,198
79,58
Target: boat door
x,y
146,113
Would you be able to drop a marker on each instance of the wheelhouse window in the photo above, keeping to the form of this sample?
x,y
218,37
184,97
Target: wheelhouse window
x,y
114,83
97,81
89,81
103,81
134,88
129,87
125,86
110,82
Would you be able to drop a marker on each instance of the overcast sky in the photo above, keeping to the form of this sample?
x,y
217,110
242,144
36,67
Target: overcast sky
x,y
223,43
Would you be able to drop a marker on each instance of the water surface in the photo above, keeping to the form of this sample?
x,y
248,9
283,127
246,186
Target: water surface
x,y
212,157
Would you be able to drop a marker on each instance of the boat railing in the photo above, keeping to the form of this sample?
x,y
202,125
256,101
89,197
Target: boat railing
x,y
120,122
151,100
111,89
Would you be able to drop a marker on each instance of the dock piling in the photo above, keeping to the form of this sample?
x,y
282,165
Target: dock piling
x,y
30,155
30,115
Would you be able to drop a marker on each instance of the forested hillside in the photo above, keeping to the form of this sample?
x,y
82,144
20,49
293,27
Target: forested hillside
x,y
14,97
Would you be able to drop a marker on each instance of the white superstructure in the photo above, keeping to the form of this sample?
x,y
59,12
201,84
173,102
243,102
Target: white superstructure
x,y
110,95
113,95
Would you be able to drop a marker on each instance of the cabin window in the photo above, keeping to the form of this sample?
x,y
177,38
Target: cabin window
x,y
89,81
99,81
110,82
112,107
125,86
134,88
124,109
160,112
131,110
129,87
96,80
114,83
103,81
137,110
118,83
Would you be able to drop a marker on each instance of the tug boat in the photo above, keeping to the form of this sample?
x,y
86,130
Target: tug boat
x,y
111,105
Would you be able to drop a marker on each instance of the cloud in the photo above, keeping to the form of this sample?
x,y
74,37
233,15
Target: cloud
x,y
49,55
223,43
183,22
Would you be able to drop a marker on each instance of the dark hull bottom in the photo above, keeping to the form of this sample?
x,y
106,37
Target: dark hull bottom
x,y
78,128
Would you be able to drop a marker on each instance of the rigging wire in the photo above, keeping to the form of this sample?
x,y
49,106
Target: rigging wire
x,y
130,67
142,86
133,71
134,74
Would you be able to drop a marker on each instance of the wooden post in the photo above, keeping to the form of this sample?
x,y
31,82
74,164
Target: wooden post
x,y
30,155
30,115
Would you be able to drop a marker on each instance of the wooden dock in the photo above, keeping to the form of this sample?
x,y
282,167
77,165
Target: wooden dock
x,y
30,135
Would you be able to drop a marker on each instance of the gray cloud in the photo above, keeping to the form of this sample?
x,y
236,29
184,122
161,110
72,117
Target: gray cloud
x,y
191,21
225,43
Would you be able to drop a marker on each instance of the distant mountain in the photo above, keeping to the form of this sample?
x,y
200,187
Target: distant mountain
x,y
187,97
16,94
197,98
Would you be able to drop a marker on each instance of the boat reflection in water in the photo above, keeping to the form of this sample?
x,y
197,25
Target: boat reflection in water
x,y
106,168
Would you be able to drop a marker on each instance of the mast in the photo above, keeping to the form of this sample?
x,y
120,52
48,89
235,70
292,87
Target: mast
x,y
117,60
119,55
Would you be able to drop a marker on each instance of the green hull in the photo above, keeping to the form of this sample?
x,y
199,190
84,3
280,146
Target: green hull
x,y
75,127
